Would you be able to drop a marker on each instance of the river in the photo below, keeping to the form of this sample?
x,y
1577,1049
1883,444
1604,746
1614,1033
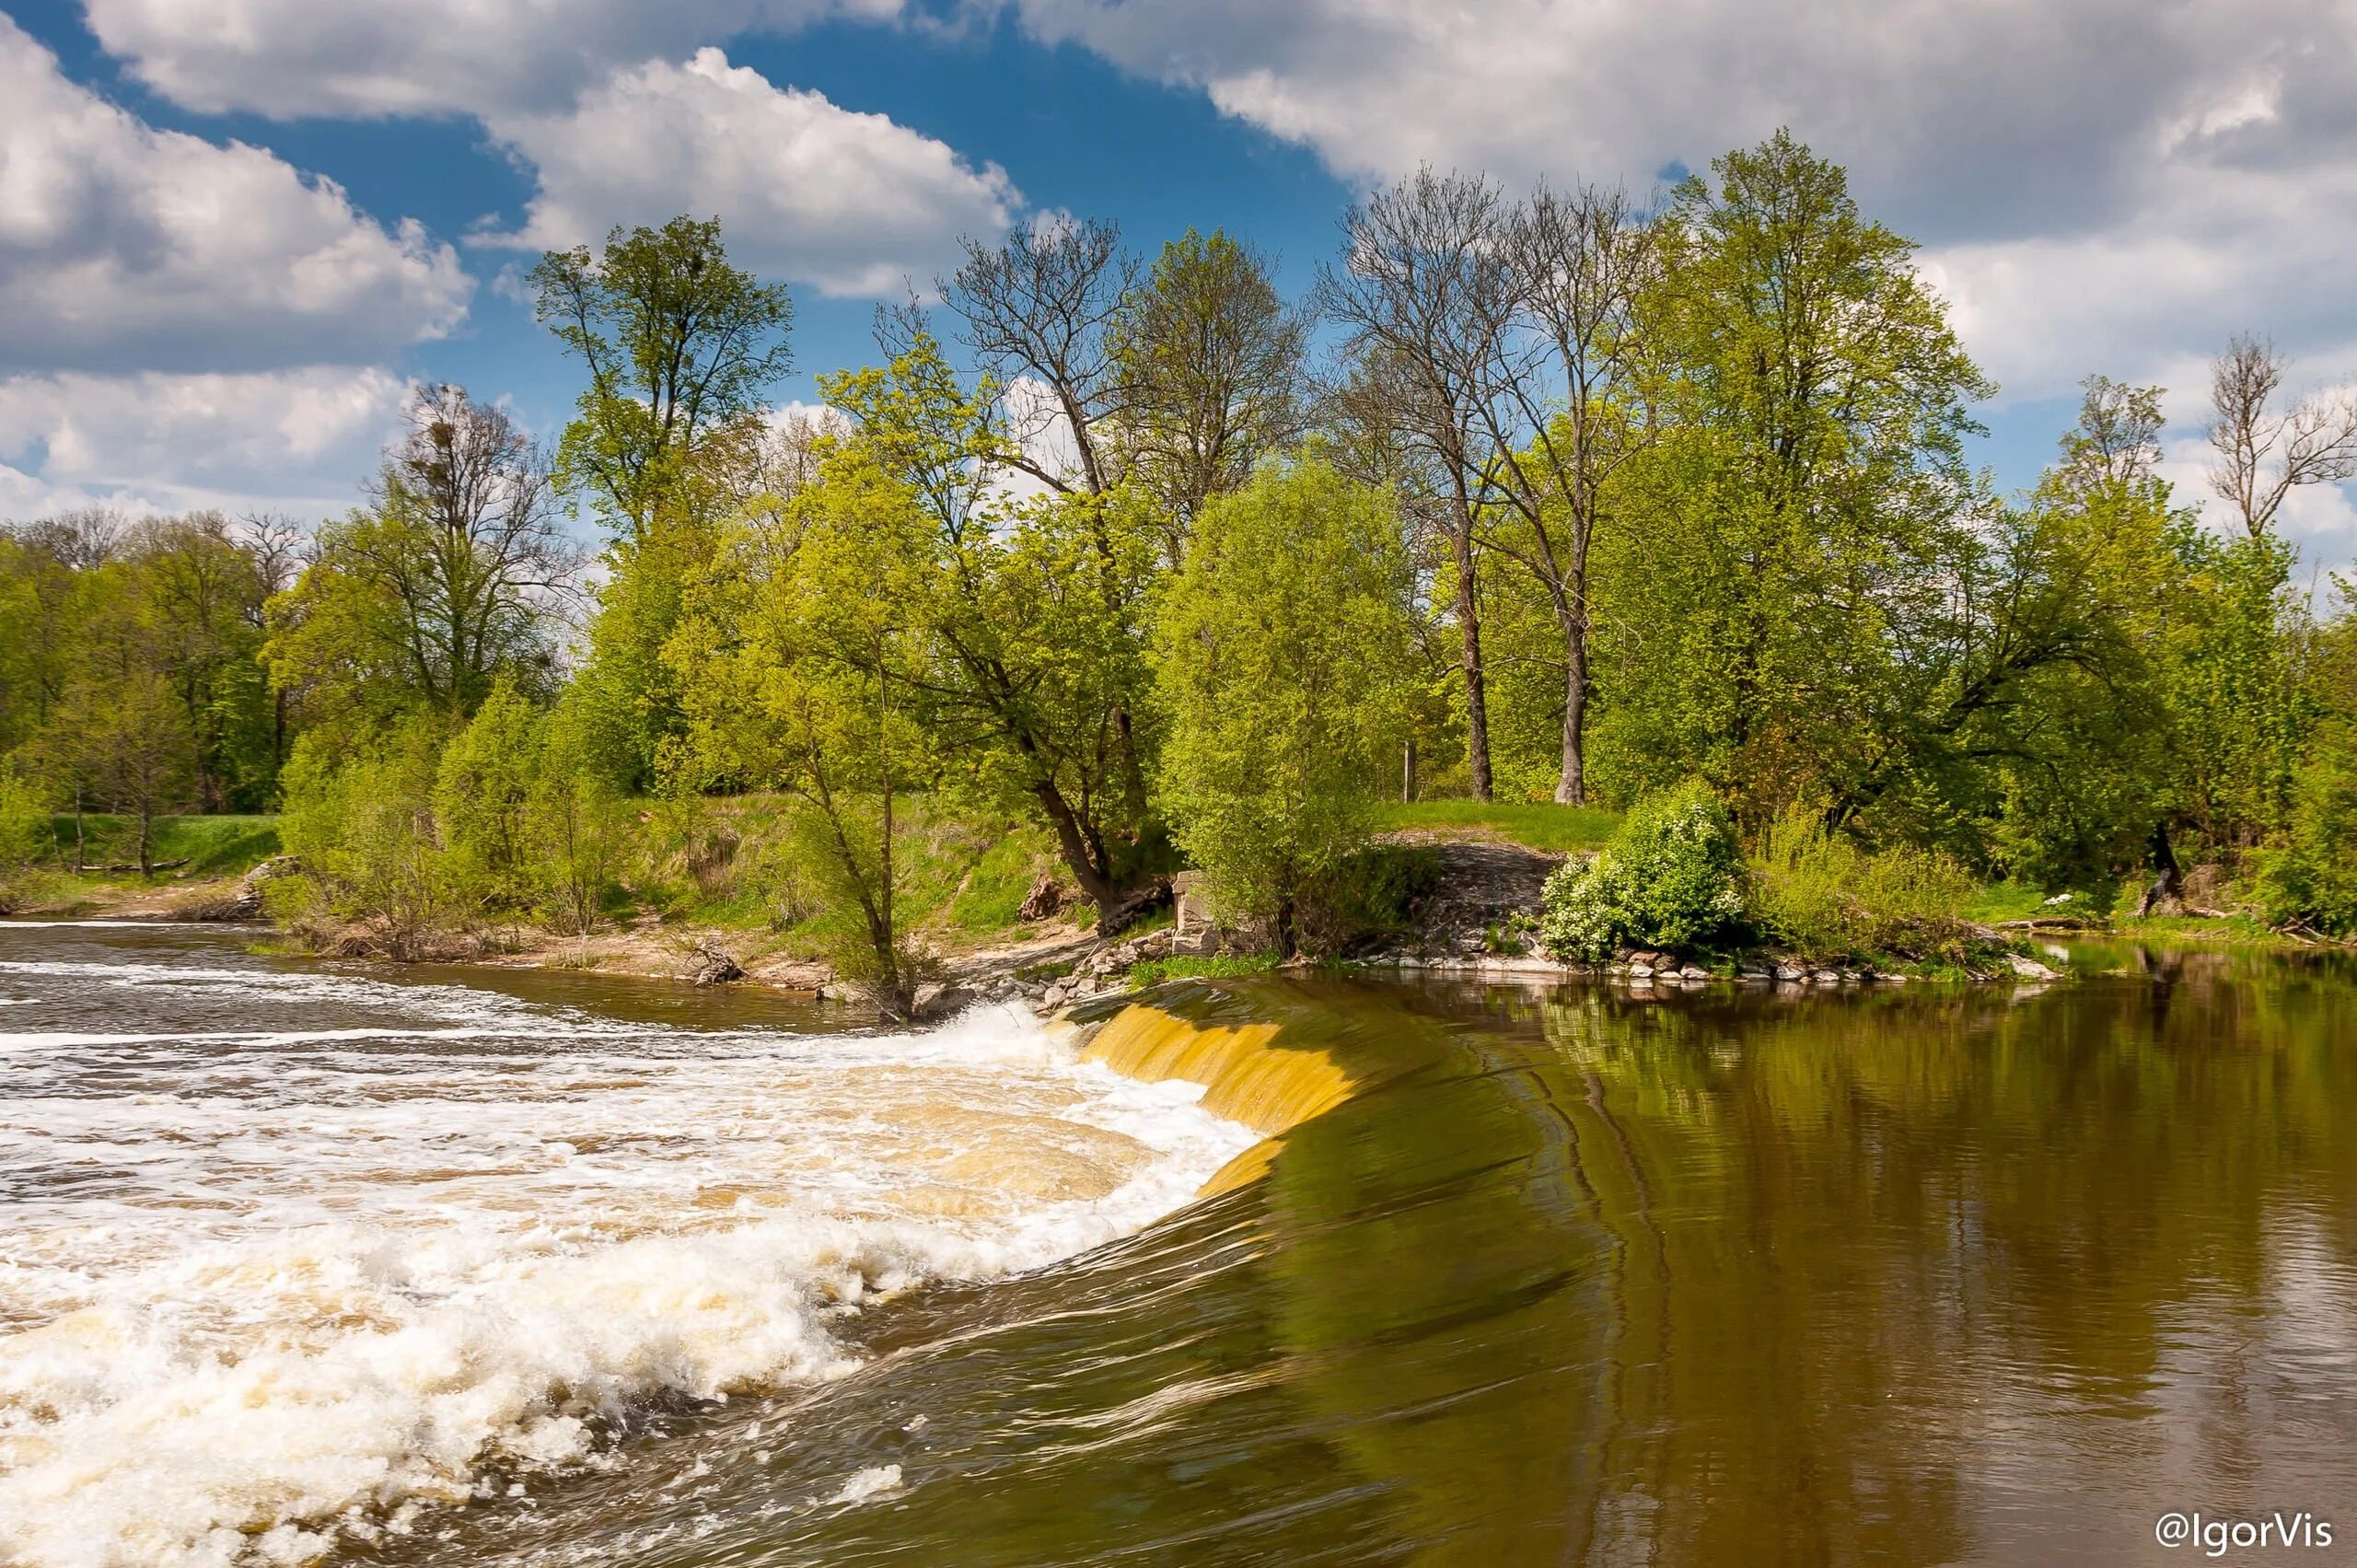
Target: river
x,y
307,1263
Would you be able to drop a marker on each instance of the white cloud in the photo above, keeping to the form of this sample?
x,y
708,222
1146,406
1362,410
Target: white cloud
x,y
2102,183
125,247
302,440
850,202
364,58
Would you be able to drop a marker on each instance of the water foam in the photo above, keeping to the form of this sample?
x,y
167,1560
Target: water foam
x,y
265,1287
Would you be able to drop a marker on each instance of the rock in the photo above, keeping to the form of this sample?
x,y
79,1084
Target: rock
x,y
1056,996
1790,972
2027,969
1826,977
1200,943
1045,900
1640,970
715,965
941,999
1693,971
1153,944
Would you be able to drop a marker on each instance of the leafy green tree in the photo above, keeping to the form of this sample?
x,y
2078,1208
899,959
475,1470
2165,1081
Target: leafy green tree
x,y
815,693
1281,651
2307,872
1024,660
455,577
484,788
1208,373
681,349
1808,502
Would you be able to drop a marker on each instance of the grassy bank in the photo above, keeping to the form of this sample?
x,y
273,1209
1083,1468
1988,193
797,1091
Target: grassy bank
x,y
1539,825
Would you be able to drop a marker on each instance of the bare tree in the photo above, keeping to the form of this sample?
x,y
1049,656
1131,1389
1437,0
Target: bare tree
x,y
1561,406
78,537
1040,305
2262,455
1422,261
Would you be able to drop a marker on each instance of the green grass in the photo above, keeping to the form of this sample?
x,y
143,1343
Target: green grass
x,y
212,846
1541,825
1153,971
998,881
1998,902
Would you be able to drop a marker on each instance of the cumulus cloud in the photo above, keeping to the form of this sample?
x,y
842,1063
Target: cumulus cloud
x,y
364,58
852,204
2101,184
300,439
126,247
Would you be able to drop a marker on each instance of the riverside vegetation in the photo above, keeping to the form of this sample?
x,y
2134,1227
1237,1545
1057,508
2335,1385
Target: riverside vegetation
x,y
1532,510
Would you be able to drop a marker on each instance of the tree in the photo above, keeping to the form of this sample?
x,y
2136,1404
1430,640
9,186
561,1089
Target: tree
x,y
1805,510
1420,259
669,438
203,584
814,694
1207,369
451,578
1039,308
681,348
2263,455
1565,406
1022,662
123,737
1279,654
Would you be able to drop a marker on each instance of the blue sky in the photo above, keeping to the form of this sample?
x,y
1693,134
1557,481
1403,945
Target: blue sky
x,y
202,320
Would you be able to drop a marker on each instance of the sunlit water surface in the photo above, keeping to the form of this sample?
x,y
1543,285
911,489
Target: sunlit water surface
x,y
432,1275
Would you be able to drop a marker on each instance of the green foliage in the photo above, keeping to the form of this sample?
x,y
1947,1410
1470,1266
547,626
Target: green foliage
x,y
483,789
1671,878
26,844
1226,966
1208,360
681,348
1276,642
2307,876
362,827
1764,615
1826,897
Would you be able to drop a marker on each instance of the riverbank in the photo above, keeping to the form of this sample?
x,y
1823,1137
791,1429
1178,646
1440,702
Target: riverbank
x,y
1480,880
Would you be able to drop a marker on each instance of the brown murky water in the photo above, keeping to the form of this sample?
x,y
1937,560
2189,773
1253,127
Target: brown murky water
x,y
1895,1277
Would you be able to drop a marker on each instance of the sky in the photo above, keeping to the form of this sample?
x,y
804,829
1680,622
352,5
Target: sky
x,y
234,232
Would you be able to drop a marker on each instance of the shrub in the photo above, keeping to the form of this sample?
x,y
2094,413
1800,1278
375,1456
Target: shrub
x,y
2308,875
26,839
1671,876
1372,891
1281,682
1825,896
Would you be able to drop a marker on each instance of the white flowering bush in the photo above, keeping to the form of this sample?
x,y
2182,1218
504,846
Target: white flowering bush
x,y
1672,877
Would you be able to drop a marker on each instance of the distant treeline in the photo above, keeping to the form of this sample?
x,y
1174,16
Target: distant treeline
x,y
1585,497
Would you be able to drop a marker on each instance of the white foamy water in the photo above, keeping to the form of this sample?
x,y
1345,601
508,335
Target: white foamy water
x,y
337,1251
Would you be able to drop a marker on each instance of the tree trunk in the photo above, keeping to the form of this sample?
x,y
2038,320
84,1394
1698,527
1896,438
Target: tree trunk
x,y
1571,786
1408,772
1096,885
147,854
2166,878
1477,706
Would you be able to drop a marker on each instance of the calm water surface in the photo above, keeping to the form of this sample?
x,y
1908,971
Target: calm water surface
x,y
1895,1277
